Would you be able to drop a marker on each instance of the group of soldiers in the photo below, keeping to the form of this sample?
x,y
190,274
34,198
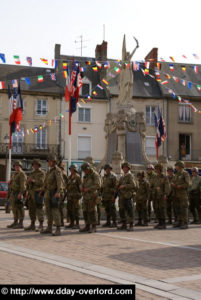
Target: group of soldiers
x,y
170,197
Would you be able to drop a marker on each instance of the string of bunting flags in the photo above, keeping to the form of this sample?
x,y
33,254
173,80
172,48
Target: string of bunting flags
x,y
144,66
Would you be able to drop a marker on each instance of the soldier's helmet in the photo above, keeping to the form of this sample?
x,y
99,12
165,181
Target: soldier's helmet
x,y
17,163
74,167
52,157
107,166
159,166
62,166
90,160
85,166
195,169
126,164
170,168
36,162
150,167
180,164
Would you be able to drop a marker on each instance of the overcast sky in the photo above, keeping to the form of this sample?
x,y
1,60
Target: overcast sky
x,y
31,28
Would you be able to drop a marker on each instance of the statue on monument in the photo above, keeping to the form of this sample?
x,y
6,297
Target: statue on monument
x,y
126,75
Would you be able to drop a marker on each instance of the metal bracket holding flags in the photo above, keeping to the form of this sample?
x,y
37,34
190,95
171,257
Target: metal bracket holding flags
x,y
161,134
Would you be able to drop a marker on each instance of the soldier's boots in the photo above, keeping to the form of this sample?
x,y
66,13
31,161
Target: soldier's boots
x,y
176,224
160,225
92,228
47,230
122,227
57,231
12,225
76,226
40,227
85,229
31,226
18,225
183,225
70,226
107,224
114,224
130,228
139,223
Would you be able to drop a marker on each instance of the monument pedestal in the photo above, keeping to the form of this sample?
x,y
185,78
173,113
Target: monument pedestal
x,y
125,134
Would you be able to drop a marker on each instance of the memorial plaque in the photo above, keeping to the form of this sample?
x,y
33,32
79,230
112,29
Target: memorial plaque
x,y
133,148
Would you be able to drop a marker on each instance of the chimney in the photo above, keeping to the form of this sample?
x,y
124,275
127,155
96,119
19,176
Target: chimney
x,y
152,57
57,50
101,51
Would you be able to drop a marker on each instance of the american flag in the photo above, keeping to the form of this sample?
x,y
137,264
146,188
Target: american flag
x,y
53,76
161,134
136,66
74,86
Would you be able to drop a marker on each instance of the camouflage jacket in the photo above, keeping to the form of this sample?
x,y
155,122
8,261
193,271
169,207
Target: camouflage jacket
x,y
18,182
161,186
130,186
38,176
142,191
73,186
53,180
108,186
92,183
181,179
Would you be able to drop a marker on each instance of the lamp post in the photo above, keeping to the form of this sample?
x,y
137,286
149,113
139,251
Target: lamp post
x,y
6,139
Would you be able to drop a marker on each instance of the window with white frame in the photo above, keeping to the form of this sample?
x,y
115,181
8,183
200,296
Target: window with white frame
x,y
84,114
185,113
84,147
41,139
41,107
150,110
86,87
150,147
17,141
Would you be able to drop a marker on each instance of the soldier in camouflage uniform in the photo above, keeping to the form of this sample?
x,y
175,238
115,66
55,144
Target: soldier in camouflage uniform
x,y
108,195
65,181
161,190
53,189
91,161
17,185
126,187
180,185
170,197
73,197
90,190
35,202
142,199
194,196
150,177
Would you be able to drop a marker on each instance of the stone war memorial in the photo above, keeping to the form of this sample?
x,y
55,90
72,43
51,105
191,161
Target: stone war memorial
x,y
125,129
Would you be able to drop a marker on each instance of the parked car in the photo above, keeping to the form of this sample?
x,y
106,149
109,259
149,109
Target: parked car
x,y
3,192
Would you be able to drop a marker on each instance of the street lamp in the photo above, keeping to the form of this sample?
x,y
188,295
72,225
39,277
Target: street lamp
x,y
6,139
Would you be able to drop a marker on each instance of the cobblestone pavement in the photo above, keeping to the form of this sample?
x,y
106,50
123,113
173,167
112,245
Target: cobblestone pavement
x,y
164,264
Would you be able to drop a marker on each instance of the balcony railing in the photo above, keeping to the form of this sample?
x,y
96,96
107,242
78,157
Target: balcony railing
x,y
24,149
194,155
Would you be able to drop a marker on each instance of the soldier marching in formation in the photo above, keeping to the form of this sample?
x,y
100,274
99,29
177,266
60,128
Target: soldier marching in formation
x,y
173,196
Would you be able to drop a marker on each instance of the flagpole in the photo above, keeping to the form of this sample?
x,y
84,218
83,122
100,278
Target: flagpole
x,y
69,133
8,171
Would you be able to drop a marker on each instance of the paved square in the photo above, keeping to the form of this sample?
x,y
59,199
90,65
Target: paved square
x,y
164,264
